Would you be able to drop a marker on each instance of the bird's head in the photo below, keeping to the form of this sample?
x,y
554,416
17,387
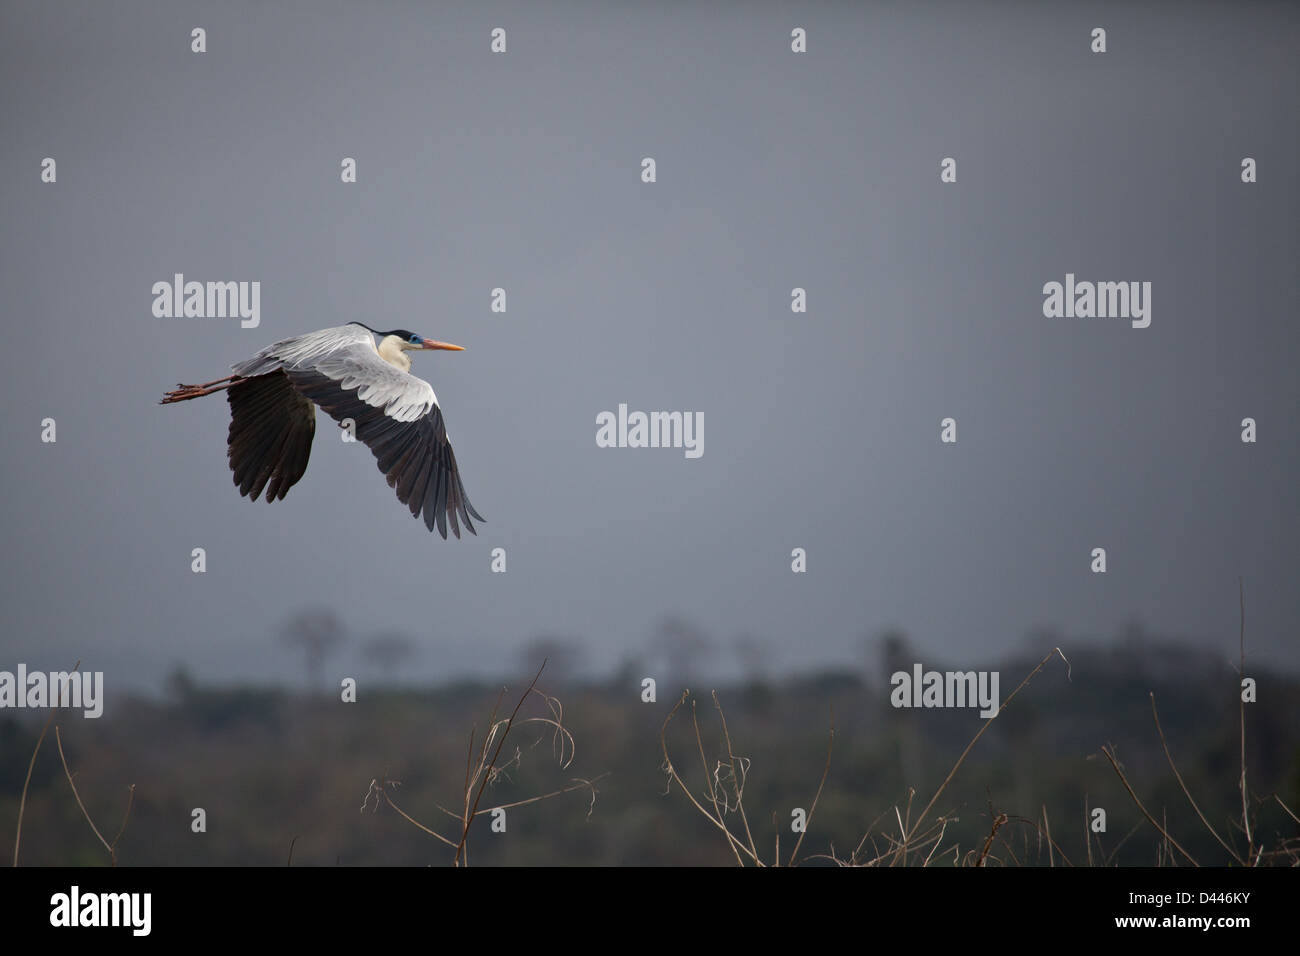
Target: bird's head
x,y
406,341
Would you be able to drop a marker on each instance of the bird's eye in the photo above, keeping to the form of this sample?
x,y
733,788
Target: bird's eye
x,y
415,340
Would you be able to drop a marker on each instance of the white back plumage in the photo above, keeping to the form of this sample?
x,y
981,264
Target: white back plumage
x,y
347,354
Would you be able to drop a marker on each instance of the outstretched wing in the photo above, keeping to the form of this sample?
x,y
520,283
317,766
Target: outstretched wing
x,y
398,418
271,428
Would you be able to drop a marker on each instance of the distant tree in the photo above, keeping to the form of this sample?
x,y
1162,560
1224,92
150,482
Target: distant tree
x,y
753,655
389,651
180,685
896,653
631,669
683,647
563,657
317,633
883,656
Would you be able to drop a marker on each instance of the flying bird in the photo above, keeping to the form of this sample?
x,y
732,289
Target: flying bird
x,y
363,387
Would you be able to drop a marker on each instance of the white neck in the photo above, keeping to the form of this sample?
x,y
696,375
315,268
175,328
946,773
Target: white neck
x,y
392,351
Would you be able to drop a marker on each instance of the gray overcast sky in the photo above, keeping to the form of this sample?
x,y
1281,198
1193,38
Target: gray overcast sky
x,y
775,170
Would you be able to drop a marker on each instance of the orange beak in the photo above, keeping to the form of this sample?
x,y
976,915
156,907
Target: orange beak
x,y
430,344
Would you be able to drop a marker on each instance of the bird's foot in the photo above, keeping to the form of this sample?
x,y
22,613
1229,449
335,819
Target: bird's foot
x,y
185,392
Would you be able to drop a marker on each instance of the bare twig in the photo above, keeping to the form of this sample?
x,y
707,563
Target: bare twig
x,y
388,798
483,768
1179,777
1163,832
739,781
1000,819
1047,827
901,852
130,798
22,802
712,790
830,747
578,784
1044,836
1286,808
865,836
943,829
469,817
1087,830
1245,815
674,777
1132,830
735,769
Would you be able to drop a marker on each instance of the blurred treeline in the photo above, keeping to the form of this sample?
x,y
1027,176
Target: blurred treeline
x,y
275,767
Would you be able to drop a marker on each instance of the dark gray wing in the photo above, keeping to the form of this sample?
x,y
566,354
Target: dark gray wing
x,y
271,428
414,455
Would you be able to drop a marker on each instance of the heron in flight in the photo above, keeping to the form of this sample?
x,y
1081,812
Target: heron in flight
x,y
366,389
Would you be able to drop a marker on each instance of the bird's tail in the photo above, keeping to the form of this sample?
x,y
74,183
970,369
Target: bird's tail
x,y
182,393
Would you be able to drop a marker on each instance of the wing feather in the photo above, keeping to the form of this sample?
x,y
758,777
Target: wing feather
x,y
271,430
397,416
